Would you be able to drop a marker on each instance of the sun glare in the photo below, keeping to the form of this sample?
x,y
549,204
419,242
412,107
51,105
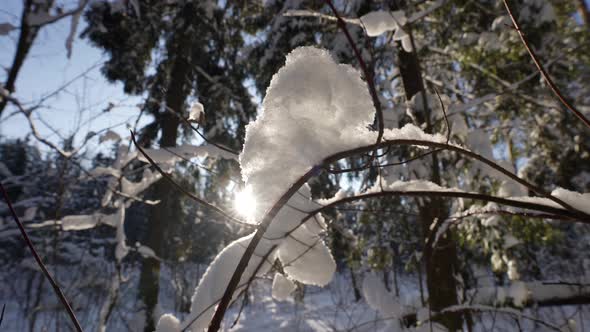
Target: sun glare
x,y
245,203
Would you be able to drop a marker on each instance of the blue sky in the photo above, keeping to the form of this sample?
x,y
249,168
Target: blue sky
x,y
46,69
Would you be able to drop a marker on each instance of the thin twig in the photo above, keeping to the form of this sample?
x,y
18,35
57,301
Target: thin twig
x,y
406,161
186,192
550,210
262,261
2,314
196,130
444,111
465,152
483,308
365,69
269,216
243,263
542,70
48,276
246,284
356,21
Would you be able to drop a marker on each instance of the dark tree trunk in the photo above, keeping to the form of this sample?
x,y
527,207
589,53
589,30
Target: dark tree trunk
x,y
441,260
355,288
167,210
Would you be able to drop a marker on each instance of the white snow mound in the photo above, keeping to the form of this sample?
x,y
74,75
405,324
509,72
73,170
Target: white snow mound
x,y
313,108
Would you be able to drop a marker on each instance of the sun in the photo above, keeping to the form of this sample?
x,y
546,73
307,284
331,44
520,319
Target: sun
x,y
245,204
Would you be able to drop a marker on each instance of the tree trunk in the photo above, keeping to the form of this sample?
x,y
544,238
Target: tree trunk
x,y
441,260
168,208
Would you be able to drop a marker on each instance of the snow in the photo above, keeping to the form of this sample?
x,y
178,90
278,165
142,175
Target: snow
x,y
122,249
501,23
99,171
30,213
428,327
124,156
458,125
216,278
167,157
197,112
328,309
379,298
168,323
134,188
537,200
510,188
74,27
311,102
519,293
408,186
109,135
82,221
379,22
412,132
497,262
145,251
422,314
306,258
340,194
512,270
282,287
4,170
576,200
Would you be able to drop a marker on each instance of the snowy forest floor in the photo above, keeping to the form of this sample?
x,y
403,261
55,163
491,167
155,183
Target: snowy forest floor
x,y
332,308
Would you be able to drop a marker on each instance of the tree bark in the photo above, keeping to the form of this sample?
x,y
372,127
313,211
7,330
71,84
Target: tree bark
x,y
168,209
440,261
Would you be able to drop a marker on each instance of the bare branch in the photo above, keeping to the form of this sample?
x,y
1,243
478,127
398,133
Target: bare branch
x,y
246,284
186,192
368,74
270,214
552,212
48,276
542,70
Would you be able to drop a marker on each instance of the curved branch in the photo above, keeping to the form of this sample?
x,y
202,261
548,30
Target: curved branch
x,y
197,199
313,171
48,276
368,74
483,308
460,150
246,285
543,72
196,130
266,220
551,211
